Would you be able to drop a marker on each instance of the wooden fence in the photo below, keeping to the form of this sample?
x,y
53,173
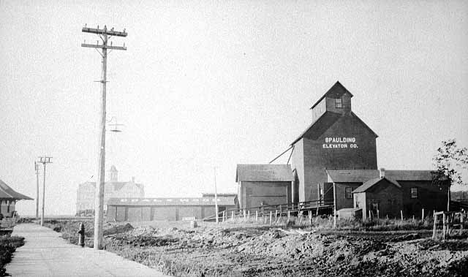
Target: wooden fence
x,y
448,223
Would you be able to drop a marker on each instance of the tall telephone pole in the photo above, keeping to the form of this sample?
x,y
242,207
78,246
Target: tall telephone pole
x,y
44,160
105,35
36,168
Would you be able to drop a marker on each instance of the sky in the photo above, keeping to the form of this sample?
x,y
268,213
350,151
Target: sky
x,y
207,85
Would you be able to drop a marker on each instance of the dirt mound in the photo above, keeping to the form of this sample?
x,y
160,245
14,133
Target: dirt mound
x,y
235,251
118,229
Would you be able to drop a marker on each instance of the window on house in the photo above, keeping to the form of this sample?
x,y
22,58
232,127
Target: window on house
x,y
349,193
338,103
414,192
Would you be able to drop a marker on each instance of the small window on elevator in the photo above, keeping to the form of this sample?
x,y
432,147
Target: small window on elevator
x,y
414,193
338,103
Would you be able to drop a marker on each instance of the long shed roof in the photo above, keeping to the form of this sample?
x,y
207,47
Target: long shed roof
x,y
181,201
264,172
6,192
363,175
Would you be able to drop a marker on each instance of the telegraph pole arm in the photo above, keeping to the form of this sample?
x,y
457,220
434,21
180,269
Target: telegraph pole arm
x,y
103,46
104,31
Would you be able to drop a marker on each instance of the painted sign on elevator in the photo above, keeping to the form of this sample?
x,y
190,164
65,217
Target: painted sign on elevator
x,y
340,142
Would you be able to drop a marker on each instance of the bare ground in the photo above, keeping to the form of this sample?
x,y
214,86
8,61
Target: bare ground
x,y
246,250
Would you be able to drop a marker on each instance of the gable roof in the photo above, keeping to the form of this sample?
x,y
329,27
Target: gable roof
x,y
372,182
321,125
336,91
318,127
6,192
264,172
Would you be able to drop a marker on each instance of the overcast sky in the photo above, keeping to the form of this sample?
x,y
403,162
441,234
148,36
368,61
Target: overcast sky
x,y
208,84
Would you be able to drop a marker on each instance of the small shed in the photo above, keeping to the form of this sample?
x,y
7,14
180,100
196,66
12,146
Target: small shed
x,y
379,196
264,184
8,198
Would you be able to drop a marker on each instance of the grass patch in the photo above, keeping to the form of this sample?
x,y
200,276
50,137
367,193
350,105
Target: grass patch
x,y
8,245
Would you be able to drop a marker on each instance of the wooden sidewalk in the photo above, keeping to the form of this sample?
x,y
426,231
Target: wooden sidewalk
x,y
45,253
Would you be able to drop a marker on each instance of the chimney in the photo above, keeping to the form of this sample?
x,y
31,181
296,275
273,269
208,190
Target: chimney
x,y
382,173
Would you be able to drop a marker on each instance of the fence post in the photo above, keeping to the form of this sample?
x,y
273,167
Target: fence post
x,y
232,215
401,214
422,214
256,216
271,217
444,227
289,215
434,229
248,214
245,215
461,223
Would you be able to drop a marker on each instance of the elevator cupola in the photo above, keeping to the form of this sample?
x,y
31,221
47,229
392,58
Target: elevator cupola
x,y
336,100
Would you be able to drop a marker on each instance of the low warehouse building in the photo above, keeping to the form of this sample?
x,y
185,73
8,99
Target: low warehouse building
x,y
171,209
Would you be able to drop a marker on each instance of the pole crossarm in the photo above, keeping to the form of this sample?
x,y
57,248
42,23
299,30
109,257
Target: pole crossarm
x,y
103,46
104,31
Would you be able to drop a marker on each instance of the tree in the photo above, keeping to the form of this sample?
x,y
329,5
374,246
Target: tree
x,y
450,161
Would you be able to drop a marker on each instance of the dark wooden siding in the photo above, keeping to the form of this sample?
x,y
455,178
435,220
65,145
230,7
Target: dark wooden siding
x,y
317,158
268,193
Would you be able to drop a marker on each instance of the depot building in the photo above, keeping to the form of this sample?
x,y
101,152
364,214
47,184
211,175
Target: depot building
x,y
335,157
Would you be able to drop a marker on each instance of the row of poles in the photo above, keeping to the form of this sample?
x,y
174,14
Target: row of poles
x,y
104,34
42,160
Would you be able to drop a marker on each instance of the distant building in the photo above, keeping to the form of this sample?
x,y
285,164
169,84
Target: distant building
x,y
170,209
8,198
113,188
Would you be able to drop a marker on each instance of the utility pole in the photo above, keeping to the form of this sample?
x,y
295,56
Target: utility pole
x,y
44,160
36,168
216,197
104,35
